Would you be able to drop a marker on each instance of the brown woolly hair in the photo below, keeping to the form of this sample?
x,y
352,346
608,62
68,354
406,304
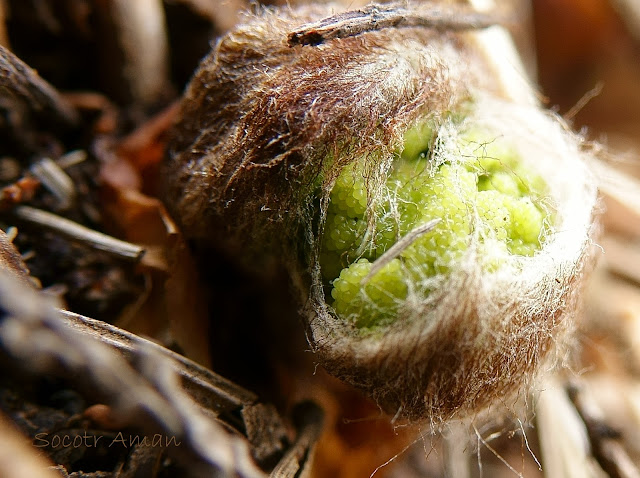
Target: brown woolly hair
x,y
266,129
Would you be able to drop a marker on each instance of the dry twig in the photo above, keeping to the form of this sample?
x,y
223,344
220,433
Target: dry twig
x,y
56,180
224,398
79,233
20,81
148,396
296,462
378,17
146,385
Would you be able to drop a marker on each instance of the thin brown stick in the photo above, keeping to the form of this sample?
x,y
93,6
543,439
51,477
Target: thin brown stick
x,y
141,387
206,388
378,17
297,461
56,180
79,233
18,80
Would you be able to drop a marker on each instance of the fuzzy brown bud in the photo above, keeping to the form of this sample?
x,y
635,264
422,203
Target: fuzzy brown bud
x,y
268,125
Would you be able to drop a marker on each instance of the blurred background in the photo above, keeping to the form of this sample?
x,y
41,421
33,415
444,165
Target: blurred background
x,y
122,65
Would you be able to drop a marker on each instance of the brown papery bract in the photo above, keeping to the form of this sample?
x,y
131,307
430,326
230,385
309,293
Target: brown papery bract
x,y
265,130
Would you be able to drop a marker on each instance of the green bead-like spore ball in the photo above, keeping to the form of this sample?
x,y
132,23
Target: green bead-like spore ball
x,y
477,187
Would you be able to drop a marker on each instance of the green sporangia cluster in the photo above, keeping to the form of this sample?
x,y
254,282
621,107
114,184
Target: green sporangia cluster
x,y
483,190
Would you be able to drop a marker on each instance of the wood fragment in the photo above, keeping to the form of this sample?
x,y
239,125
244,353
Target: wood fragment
x,y
144,460
266,433
143,37
144,393
10,259
53,178
79,233
297,461
72,158
46,172
377,17
20,81
206,388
